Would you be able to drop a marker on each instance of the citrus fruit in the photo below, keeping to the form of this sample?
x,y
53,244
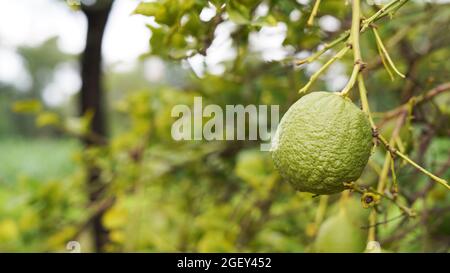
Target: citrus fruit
x,y
340,233
352,206
322,141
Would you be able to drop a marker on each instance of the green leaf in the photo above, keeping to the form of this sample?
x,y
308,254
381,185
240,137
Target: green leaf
x,y
155,9
216,3
268,20
47,119
157,40
115,217
79,125
238,13
148,9
186,4
8,230
27,106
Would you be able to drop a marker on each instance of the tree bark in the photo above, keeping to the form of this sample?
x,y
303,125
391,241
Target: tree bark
x,y
91,99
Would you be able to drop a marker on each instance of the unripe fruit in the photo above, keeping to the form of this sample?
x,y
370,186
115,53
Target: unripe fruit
x,y
353,208
322,141
340,233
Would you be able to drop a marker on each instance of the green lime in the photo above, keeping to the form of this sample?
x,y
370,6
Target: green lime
x,y
340,234
322,141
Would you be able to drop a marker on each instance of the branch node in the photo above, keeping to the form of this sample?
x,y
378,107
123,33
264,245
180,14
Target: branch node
x,y
375,132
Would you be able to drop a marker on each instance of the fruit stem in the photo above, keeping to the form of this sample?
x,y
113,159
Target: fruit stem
x,y
354,40
414,164
313,13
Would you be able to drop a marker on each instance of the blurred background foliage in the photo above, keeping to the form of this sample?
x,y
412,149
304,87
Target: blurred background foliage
x,y
163,195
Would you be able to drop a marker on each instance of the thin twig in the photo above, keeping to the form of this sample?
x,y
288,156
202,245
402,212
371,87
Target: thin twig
x,y
325,47
313,13
417,100
385,53
383,222
316,75
414,164
345,35
385,10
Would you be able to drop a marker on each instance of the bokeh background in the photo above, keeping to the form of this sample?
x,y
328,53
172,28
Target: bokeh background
x,y
88,156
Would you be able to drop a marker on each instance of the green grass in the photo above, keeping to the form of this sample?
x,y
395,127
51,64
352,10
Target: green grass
x,y
40,159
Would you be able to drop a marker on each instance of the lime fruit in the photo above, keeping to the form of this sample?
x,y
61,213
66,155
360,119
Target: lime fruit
x,y
322,141
340,234
353,207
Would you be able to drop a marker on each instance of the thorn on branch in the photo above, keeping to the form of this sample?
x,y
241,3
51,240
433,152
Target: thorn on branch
x,y
375,135
394,192
362,65
300,62
391,150
375,132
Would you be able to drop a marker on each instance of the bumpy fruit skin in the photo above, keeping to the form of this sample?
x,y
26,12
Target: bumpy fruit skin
x,y
322,141
339,234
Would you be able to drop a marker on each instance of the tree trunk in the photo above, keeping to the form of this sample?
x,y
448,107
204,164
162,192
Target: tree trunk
x,y
91,99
